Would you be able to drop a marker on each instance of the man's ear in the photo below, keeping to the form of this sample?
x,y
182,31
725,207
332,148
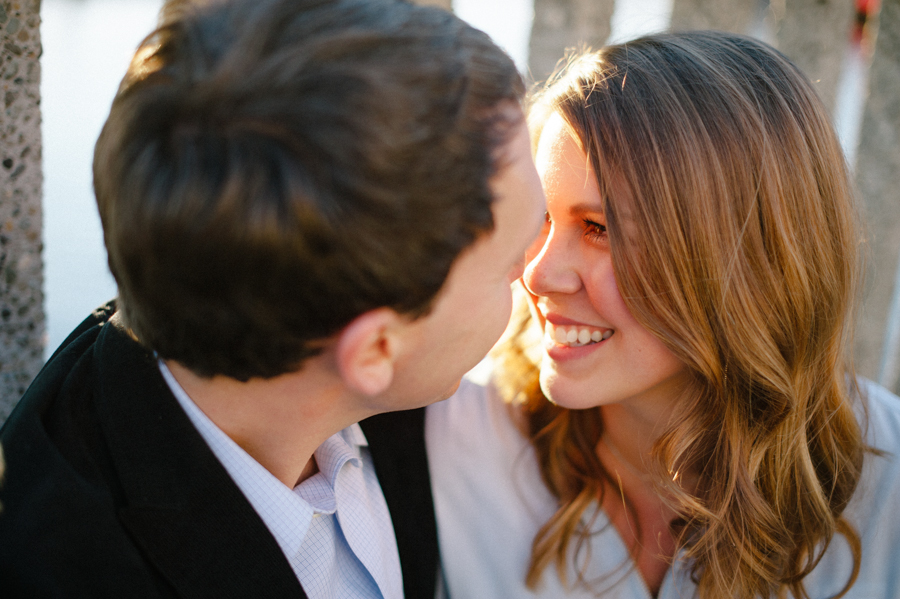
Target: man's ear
x,y
366,351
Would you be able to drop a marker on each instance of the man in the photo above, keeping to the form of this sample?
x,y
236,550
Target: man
x,y
313,210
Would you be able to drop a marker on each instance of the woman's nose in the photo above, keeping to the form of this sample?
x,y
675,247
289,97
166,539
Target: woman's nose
x,y
552,269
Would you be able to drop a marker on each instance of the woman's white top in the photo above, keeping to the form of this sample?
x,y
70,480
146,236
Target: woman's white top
x,y
490,502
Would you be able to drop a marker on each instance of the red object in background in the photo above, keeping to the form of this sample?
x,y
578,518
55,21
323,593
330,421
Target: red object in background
x,y
866,6
865,10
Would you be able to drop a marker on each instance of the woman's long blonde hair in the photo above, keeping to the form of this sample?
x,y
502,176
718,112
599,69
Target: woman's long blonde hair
x,y
739,249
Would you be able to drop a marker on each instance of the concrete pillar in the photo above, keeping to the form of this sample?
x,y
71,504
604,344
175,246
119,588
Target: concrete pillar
x,y
878,180
563,24
725,15
815,34
445,4
21,277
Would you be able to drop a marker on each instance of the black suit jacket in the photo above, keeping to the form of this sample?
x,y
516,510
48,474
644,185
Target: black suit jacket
x,y
109,490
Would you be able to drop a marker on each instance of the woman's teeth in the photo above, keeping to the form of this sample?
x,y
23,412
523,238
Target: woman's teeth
x,y
576,336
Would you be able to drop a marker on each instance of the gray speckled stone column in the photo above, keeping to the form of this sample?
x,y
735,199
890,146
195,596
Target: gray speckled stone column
x,y
562,24
878,180
445,4
815,34
726,15
21,276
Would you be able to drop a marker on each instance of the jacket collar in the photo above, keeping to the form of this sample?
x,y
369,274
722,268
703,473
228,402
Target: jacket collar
x,y
397,444
181,506
193,522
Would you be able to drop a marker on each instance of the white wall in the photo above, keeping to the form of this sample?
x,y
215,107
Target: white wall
x,y
87,47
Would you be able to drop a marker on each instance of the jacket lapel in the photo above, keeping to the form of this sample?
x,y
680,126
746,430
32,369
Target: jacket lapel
x,y
397,444
180,505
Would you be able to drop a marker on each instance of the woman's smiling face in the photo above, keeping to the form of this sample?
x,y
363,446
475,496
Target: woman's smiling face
x,y
594,352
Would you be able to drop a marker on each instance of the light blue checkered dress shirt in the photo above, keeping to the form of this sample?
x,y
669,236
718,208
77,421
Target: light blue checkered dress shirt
x,y
334,528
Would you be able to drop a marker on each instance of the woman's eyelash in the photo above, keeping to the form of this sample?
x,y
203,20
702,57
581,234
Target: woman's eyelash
x,y
594,230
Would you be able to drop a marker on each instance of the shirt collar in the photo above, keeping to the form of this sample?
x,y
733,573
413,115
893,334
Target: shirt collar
x,y
284,511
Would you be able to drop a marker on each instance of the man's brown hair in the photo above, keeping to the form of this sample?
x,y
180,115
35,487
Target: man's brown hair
x,y
271,169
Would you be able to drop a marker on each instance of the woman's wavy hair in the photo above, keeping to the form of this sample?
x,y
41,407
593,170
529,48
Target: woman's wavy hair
x,y
738,246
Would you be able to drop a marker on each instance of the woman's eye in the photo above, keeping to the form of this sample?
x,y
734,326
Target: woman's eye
x,y
594,230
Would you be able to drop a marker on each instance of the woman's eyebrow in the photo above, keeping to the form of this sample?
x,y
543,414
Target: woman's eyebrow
x,y
586,207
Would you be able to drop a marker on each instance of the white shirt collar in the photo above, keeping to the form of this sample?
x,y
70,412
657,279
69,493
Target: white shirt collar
x,y
285,512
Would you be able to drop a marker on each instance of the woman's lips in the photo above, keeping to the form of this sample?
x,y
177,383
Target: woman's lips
x,y
566,339
576,335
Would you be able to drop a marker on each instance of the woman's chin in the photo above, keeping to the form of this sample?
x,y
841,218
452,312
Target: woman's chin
x,y
563,393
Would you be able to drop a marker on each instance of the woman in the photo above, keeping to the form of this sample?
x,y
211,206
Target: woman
x,y
691,310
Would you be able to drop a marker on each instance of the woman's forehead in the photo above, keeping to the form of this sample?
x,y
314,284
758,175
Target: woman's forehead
x,y
554,142
561,162
570,179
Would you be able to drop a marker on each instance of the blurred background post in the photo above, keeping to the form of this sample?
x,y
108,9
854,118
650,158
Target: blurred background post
x,y
878,179
21,270
563,24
